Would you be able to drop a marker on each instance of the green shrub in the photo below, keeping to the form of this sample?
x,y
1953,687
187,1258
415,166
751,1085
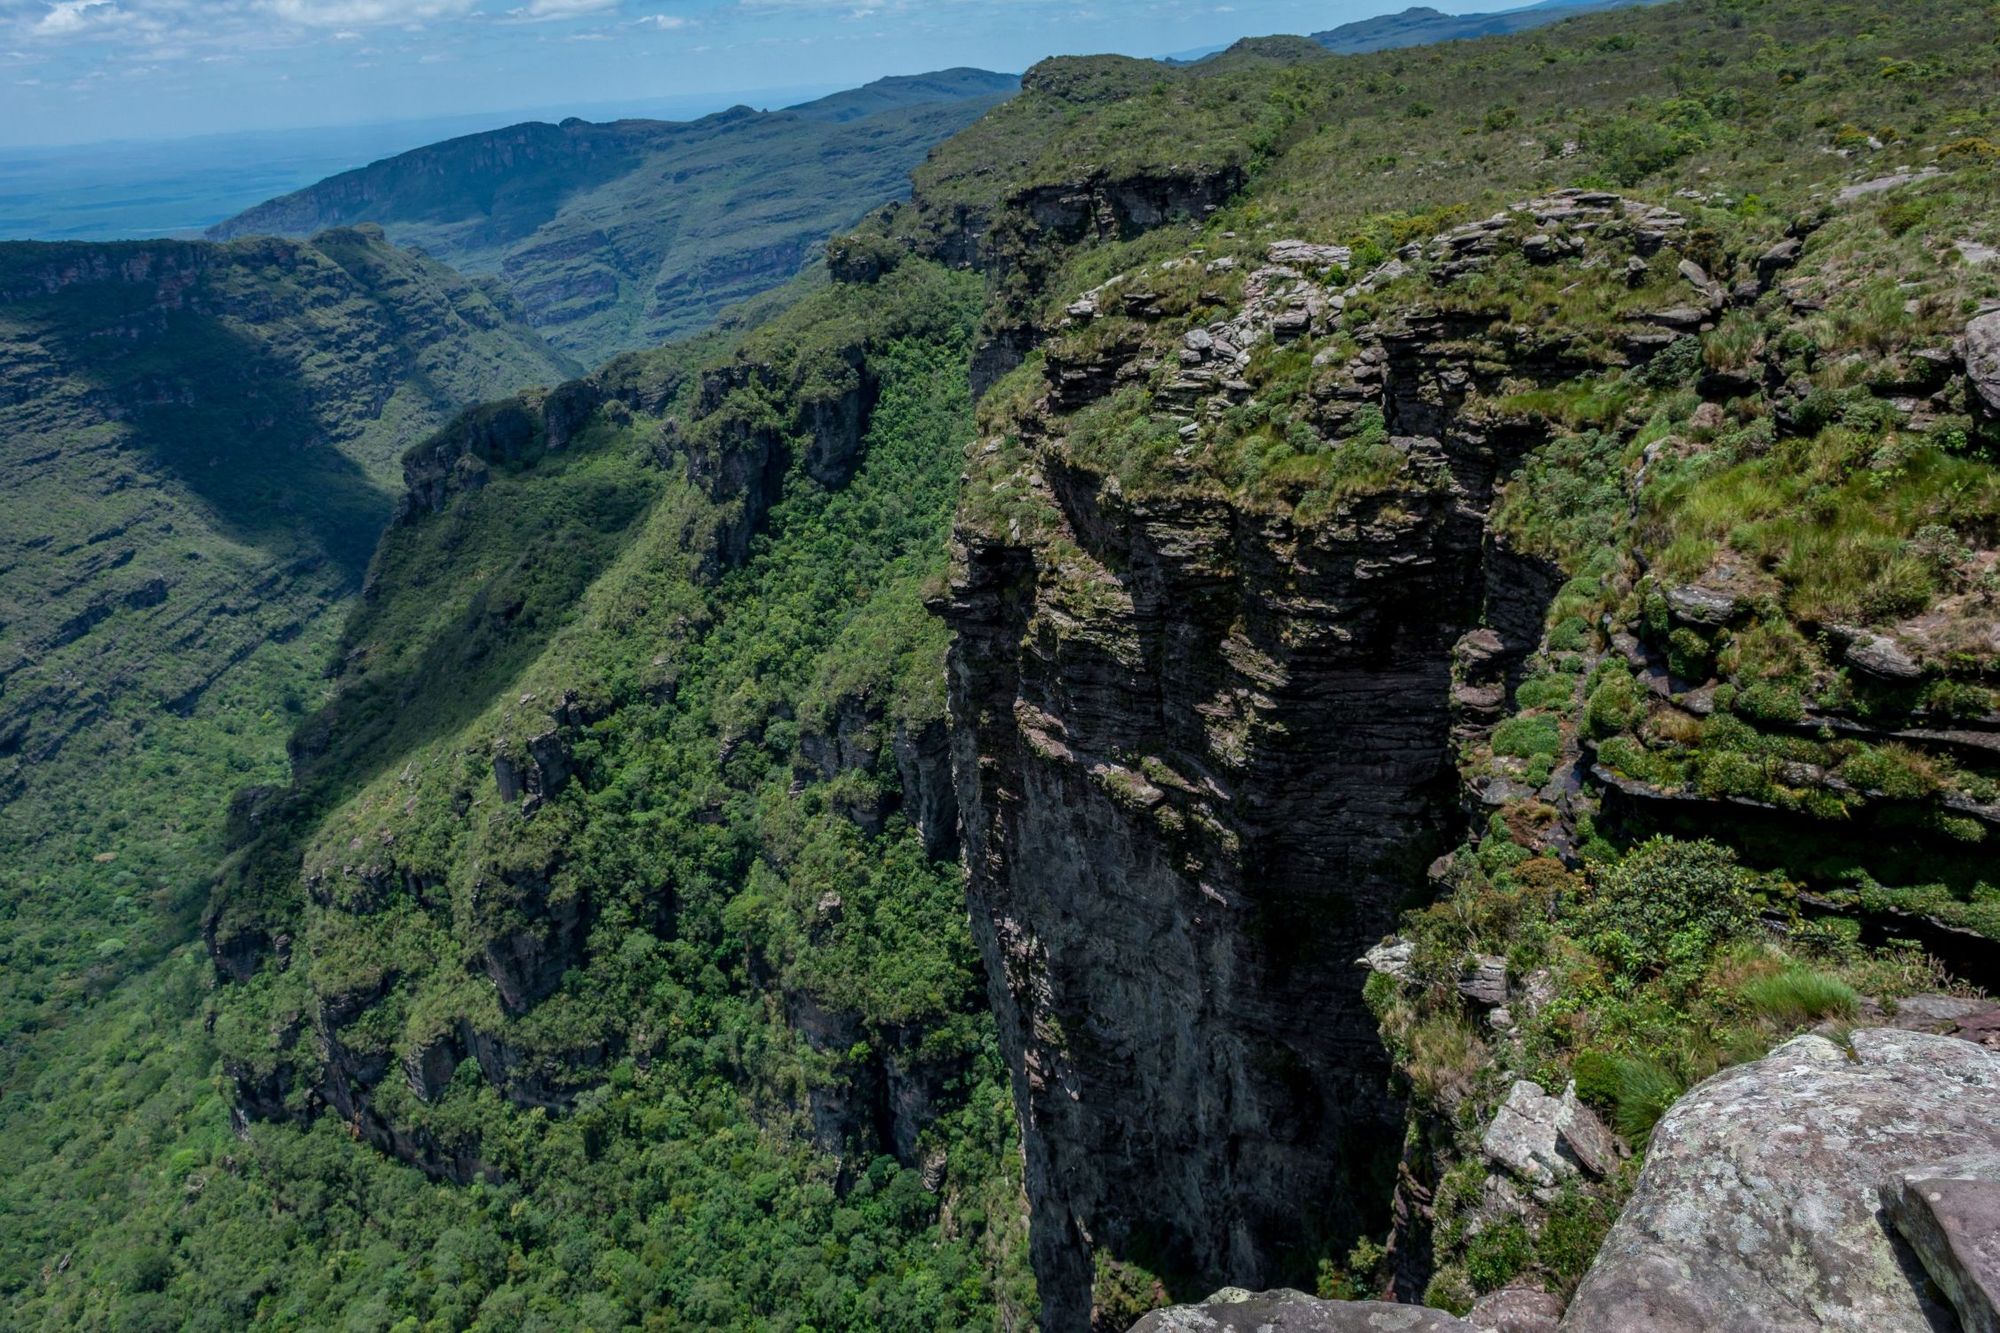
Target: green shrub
x,y
1526,737
1572,635
1645,1089
1497,1254
1548,690
1596,1076
1614,706
1450,1290
1668,904
1690,655
1769,702
1627,149
1798,996
1572,1235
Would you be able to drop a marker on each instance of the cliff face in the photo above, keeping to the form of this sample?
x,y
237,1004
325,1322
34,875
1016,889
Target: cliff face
x,y
1204,748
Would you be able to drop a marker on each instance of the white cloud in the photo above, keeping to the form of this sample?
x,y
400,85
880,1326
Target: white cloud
x,y
72,16
356,13
563,9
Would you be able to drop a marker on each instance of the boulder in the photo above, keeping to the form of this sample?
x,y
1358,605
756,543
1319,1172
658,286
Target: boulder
x,y
1543,1139
1949,1212
1695,605
1485,982
1516,1310
1779,258
1392,957
1982,359
1759,1206
1698,278
1305,255
1233,1310
1883,658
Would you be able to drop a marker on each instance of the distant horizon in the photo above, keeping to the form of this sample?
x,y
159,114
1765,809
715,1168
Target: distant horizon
x,y
82,73
758,99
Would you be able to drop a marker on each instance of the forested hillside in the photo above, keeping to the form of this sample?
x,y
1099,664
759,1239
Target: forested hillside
x,y
199,444
1519,512
615,236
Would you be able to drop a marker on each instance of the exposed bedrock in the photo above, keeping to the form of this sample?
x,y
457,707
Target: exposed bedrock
x,y
1203,755
1761,1206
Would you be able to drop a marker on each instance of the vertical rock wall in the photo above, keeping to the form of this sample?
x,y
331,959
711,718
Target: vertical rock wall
x,y
1203,755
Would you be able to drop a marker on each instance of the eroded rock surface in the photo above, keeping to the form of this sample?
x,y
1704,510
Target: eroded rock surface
x,y
1516,1310
1759,1206
1232,1310
1949,1212
1542,1139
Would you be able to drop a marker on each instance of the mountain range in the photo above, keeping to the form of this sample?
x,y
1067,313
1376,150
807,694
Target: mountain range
x,y
1422,25
615,236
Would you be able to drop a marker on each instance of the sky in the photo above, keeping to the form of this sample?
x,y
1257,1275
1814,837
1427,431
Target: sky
x,y
82,71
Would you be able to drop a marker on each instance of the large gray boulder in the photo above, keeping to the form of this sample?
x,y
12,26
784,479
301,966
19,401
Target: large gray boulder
x,y
1233,1310
1949,1212
1542,1139
1982,359
1759,1208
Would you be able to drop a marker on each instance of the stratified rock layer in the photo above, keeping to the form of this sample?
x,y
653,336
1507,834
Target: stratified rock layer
x,y
1949,1212
1203,752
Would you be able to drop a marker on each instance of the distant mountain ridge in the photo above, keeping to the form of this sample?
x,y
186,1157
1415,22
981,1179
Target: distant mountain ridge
x,y
1422,25
617,235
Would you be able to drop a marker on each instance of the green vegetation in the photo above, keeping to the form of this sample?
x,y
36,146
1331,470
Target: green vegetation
x,y
1654,969
768,953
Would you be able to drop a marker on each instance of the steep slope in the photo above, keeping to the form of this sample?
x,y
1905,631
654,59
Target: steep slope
x,y
1422,25
615,236
631,808
1263,537
197,443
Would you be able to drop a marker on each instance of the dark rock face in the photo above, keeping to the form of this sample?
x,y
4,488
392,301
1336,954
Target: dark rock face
x,y
456,458
1201,765
533,935
837,425
879,1106
923,764
1169,947
1759,1207
1283,1311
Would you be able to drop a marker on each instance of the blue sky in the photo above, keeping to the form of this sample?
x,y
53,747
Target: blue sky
x,y
82,70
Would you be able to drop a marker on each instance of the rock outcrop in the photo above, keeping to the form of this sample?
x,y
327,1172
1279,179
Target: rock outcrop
x,y
1949,1212
1759,1207
1982,360
1543,1139
1171,865
1232,1310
